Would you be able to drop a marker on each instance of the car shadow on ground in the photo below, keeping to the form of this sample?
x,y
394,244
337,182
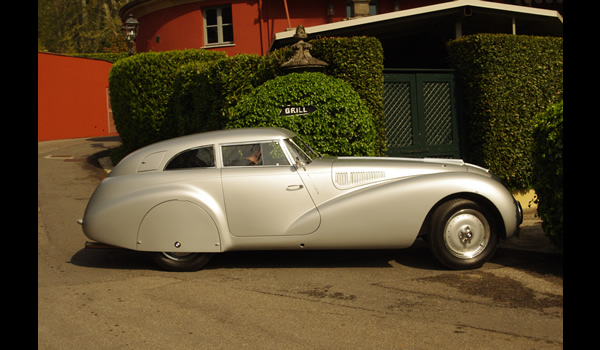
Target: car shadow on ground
x,y
417,256
324,259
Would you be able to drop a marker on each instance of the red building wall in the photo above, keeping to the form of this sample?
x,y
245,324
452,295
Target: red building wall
x,y
73,98
255,24
178,28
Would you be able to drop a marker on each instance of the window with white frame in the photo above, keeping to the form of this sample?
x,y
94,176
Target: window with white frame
x,y
218,25
373,8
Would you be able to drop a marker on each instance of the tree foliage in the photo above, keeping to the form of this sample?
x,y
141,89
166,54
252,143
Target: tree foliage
x,y
79,26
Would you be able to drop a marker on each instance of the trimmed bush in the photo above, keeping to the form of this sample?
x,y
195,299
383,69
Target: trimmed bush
x,y
548,172
340,124
141,87
359,62
205,91
506,80
156,96
181,110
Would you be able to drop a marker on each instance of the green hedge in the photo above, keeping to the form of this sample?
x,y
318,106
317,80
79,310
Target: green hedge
x,y
506,80
156,96
205,91
141,87
340,125
548,172
359,62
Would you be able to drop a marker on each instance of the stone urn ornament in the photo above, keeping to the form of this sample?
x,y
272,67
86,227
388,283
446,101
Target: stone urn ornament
x,y
302,60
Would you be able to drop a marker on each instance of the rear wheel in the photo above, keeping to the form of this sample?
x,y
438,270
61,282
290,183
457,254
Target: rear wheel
x,y
181,262
463,235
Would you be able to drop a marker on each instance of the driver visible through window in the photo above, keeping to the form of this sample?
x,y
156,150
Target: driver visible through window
x,y
264,153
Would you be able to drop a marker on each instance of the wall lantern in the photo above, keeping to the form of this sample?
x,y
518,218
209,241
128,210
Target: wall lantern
x,y
330,9
131,29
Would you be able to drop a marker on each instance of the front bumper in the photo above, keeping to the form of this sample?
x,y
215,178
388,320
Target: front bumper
x,y
519,218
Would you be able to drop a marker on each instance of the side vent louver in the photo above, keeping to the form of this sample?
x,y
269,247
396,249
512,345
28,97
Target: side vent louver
x,y
352,179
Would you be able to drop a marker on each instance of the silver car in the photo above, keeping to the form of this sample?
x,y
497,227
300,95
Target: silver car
x,y
187,198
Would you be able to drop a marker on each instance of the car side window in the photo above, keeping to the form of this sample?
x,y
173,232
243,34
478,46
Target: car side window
x,y
264,153
202,157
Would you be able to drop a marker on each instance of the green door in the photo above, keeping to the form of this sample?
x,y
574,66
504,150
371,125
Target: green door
x,y
420,115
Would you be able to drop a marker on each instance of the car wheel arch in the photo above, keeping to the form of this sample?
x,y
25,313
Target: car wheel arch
x,y
178,225
496,217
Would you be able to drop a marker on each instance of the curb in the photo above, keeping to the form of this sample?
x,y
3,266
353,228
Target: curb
x,y
106,164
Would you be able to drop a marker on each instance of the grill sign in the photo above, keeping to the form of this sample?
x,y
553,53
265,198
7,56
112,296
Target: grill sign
x,y
289,111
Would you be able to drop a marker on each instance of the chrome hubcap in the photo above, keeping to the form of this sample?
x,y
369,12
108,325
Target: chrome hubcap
x,y
467,234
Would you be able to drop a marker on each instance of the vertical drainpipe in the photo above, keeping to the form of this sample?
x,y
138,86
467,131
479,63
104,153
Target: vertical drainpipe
x,y
466,12
458,29
514,26
287,14
260,27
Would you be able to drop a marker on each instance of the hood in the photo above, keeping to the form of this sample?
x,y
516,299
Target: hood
x,y
348,172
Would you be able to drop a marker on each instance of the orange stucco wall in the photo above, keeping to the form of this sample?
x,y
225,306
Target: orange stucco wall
x,y
255,23
72,98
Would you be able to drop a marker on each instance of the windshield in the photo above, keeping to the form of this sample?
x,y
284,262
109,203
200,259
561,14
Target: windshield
x,y
300,150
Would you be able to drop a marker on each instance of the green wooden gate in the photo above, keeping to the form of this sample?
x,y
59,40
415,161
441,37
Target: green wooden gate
x,y
420,114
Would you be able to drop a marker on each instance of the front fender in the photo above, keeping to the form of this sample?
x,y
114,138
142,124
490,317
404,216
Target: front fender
x,y
485,189
391,214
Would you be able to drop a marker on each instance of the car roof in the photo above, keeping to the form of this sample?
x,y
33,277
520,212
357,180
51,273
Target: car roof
x,y
222,136
173,146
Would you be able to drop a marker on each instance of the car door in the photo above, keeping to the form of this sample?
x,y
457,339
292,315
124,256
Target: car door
x,y
264,194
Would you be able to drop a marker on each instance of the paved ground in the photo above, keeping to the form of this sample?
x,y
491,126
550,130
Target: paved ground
x,y
397,299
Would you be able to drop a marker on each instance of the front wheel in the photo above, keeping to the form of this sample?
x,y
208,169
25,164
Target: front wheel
x,y
463,235
181,262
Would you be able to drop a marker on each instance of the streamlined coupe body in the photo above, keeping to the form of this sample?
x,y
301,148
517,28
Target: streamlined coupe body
x,y
188,198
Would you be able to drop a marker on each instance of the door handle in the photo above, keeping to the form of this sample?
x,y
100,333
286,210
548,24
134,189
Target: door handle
x,y
295,187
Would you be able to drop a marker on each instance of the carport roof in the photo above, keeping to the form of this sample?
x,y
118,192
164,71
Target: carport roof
x,y
394,23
